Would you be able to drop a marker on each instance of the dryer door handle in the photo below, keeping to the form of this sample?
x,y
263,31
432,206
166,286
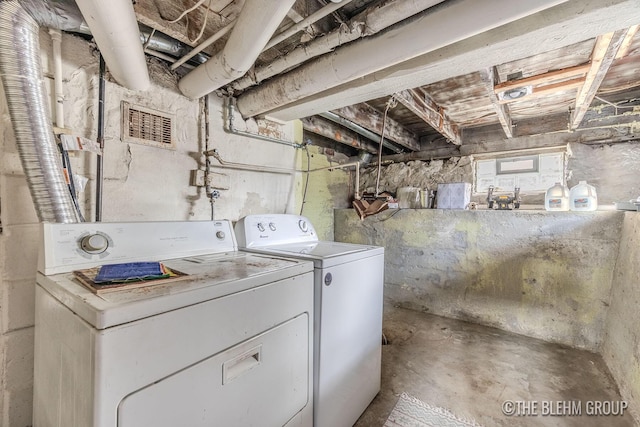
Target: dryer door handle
x,y
235,367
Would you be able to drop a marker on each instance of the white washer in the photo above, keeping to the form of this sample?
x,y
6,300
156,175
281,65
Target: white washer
x,y
348,311
231,345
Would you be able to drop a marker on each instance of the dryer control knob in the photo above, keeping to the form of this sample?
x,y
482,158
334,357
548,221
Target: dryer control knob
x,y
220,235
260,226
272,226
303,225
94,243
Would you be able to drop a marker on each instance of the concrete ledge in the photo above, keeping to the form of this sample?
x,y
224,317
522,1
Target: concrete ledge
x,y
543,274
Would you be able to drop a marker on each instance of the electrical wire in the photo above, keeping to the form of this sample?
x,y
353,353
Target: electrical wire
x,y
204,23
191,9
306,184
390,104
68,173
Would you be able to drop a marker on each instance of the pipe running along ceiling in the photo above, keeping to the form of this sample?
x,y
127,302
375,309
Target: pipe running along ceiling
x,y
256,24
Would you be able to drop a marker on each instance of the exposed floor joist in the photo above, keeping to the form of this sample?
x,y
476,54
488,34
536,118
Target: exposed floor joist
x,y
626,43
420,104
328,129
568,23
489,77
604,53
549,89
602,124
370,118
543,79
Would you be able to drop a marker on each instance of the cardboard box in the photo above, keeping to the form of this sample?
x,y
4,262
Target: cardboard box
x,y
455,195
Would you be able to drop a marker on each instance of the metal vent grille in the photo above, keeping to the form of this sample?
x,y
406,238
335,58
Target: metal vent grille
x,y
144,126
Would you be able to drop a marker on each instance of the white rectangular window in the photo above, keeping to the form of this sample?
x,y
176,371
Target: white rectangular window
x,y
531,173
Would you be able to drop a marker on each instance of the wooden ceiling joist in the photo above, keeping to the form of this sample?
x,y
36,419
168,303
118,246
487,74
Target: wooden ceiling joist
x,y
328,129
489,77
543,79
626,43
549,89
603,55
420,104
368,117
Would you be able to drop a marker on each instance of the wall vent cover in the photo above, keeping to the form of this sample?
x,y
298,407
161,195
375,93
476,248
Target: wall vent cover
x,y
145,126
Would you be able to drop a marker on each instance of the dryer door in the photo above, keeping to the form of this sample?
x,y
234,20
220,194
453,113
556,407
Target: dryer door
x,y
263,381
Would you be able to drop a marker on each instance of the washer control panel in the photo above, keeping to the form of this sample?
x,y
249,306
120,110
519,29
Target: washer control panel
x,y
263,230
94,243
68,247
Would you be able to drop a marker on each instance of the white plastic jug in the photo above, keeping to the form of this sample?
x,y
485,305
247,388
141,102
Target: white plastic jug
x,y
583,197
557,198
408,197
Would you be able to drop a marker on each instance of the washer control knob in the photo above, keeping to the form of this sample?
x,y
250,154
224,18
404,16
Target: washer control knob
x,y
303,225
272,226
220,235
94,243
260,226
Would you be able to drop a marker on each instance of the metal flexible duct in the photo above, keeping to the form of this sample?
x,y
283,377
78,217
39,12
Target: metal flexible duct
x,y
21,75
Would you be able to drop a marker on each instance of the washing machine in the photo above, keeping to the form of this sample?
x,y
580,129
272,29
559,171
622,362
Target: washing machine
x,y
348,282
225,341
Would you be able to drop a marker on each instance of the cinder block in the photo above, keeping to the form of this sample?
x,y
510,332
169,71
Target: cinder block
x,y
18,360
19,408
21,244
18,304
17,204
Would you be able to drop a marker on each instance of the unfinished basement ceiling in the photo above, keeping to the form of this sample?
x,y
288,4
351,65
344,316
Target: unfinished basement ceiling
x,y
449,74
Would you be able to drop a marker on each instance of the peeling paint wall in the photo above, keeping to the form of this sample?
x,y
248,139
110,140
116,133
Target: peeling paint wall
x,y
542,274
621,347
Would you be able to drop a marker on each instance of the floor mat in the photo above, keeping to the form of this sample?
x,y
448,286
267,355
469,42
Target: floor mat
x,y
412,412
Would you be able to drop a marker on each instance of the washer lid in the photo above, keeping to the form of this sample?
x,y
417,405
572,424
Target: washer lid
x,y
321,249
323,253
210,276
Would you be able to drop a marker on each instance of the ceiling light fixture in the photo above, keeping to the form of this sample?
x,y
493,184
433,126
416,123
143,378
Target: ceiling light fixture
x,y
515,93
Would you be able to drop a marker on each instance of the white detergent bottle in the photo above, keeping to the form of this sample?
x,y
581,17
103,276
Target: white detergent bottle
x,y
583,197
557,198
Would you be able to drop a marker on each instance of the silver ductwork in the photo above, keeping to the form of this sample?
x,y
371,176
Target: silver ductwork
x,y
62,15
21,75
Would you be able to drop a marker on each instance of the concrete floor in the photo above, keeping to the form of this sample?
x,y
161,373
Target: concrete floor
x,y
471,370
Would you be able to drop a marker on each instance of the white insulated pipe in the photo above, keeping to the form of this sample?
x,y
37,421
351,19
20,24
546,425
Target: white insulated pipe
x,y
56,41
366,23
115,29
257,22
448,23
311,19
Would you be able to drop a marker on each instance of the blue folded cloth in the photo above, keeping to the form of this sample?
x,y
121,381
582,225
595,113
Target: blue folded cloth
x,y
130,271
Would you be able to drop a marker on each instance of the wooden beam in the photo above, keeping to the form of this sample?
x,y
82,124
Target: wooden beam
x,y
541,79
494,142
420,104
328,129
603,55
601,124
626,43
545,90
368,117
489,77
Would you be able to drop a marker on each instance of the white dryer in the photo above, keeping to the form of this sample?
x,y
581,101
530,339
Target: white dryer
x,y
348,311
228,345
